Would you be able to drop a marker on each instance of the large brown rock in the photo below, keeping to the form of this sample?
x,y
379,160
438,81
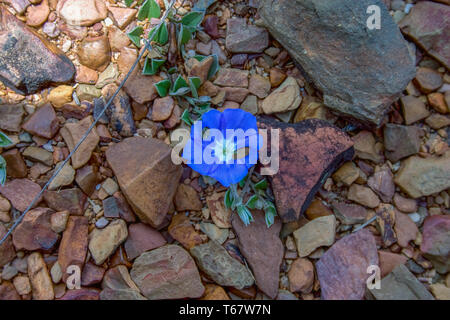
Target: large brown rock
x,y
309,152
82,12
72,134
34,231
28,62
428,24
74,244
20,192
140,87
342,270
255,242
168,272
43,122
146,175
436,241
15,166
40,280
72,200
353,66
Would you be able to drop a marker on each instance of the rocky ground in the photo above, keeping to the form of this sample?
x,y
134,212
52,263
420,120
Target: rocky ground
x,y
140,227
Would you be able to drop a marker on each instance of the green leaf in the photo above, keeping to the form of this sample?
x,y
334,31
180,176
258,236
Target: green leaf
x,y
270,212
186,117
180,87
184,35
193,19
228,200
129,2
4,140
135,36
163,87
252,201
261,185
214,67
151,66
2,170
244,214
194,84
161,36
242,182
150,9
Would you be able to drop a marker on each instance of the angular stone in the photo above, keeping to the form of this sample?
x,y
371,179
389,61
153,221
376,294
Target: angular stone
x,y
148,179
413,109
82,12
382,182
72,134
43,122
259,86
15,166
7,253
323,148
36,15
200,69
437,121
220,215
235,94
71,200
162,108
436,241
365,147
117,38
142,238
389,260
41,283
187,199
363,195
122,16
95,53
426,25
58,221
120,113
301,276
34,231
255,241
285,98
10,115
401,284
317,209
28,62
182,230
214,233
316,233
74,244
405,204
64,178
401,141
245,38
344,52
140,87
21,192
216,262
82,294
22,285
405,229
214,292
437,101
87,179
346,174
92,274
427,79
39,154
424,176
168,272
103,242
228,77
342,270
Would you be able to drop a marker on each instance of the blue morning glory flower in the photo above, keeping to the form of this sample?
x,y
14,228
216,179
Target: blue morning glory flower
x,y
223,145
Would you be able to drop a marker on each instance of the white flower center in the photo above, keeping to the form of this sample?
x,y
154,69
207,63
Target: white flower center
x,y
224,150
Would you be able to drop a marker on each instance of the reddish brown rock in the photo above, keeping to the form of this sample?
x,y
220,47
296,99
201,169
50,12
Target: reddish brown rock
x,y
72,134
168,272
122,16
34,231
255,241
28,62
82,294
43,122
235,94
436,241
220,215
322,147
214,292
92,274
427,79
72,200
7,253
242,37
349,213
405,229
82,12
187,199
8,291
38,14
210,25
140,87
427,24
182,230
200,69
317,209
87,179
148,179
142,238
162,108
382,182
229,77
342,270
20,192
125,212
301,276
389,260
405,204
95,52
15,166
74,243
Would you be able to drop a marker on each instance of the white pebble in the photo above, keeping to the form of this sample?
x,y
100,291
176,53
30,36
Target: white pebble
x,y
414,217
408,7
108,22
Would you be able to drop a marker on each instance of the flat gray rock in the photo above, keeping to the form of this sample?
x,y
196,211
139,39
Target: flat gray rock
x,y
360,71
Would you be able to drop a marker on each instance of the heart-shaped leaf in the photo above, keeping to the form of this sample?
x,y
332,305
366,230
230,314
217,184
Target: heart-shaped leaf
x,y
150,9
194,84
151,66
261,185
193,19
186,117
163,87
244,214
135,36
184,36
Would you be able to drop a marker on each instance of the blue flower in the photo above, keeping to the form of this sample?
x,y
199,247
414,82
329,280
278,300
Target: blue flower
x,y
223,145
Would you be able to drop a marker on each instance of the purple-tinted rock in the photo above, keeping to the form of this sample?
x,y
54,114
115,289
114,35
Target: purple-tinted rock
x,y
243,38
382,182
436,241
21,192
142,238
72,200
342,270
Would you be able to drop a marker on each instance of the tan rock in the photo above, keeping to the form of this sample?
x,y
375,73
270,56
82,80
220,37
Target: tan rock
x,y
72,134
95,52
162,108
86,75
440,291
187,198
103,242
437,101
117,38
38,14
22,284
220,215
316,233
182,230
286,97
41,282
301,276
214,292
346,174
58,221
64,178
228,77
122,16
259,86
413,109
363,195
365,146
82,12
